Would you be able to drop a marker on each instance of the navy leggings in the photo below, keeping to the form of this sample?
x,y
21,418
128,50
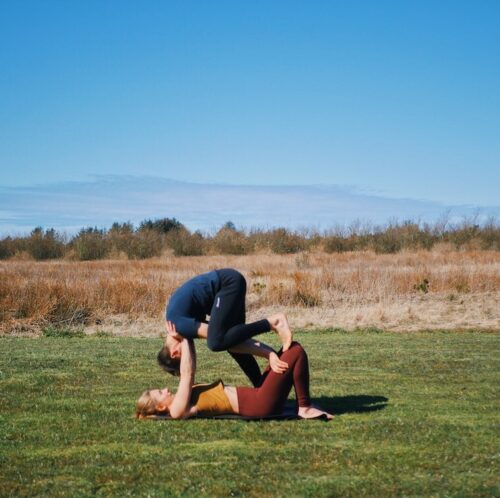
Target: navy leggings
x,y
227,327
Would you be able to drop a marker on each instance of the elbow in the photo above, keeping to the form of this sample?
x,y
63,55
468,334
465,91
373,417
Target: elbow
x,y
176,414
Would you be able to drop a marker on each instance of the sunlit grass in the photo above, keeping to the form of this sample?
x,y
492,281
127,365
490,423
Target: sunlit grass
x,y
417,414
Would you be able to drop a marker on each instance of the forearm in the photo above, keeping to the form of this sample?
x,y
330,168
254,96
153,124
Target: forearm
x,y
188,360
253,347
184,326
202,329
180,404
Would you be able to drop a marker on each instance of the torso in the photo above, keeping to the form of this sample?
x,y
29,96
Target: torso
x,y
195,297
232,397
214,399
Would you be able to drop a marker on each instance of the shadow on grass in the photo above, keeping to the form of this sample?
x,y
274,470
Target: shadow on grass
x,y
361,403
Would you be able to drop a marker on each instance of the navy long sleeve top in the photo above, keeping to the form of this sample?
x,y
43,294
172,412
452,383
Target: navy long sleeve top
x,y
192,302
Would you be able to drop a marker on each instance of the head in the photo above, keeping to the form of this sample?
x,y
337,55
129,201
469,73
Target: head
x,y
169,356
153,402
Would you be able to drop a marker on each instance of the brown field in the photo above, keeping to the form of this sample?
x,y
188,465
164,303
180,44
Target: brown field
x,y
347,290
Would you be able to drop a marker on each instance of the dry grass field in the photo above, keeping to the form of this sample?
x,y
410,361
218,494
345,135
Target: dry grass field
x,y
438,289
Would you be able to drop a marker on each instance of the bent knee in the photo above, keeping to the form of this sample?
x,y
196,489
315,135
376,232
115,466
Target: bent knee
x,y
296,349
215,345
235,277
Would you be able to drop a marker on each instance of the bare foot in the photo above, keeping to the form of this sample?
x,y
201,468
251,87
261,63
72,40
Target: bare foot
x,y
279,324
313,412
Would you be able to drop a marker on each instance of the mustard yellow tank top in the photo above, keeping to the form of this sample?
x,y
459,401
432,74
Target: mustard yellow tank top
x,y
210,399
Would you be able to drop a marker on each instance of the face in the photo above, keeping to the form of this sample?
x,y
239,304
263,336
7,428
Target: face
x,y
162,398
174,346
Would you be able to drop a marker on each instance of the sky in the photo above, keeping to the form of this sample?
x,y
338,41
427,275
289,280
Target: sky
x,y
106,199
397,99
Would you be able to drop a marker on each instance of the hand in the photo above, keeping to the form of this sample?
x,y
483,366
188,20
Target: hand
x,y
172,331
276,364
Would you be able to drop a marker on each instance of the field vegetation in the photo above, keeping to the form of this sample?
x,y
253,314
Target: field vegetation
x,y
410,290
416,414
155,237
416,411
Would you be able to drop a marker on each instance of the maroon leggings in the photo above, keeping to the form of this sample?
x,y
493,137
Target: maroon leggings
x,y
271,396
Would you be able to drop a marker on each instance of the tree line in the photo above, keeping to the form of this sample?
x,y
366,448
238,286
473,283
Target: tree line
x,y
153,237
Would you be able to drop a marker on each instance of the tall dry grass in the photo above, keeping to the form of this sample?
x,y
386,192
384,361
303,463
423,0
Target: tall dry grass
x,y
68,293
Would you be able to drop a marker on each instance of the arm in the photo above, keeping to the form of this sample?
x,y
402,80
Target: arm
x,y
202,329
180,405
187,328
250,346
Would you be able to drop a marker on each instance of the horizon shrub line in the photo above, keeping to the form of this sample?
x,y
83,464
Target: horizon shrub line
x,y
152,237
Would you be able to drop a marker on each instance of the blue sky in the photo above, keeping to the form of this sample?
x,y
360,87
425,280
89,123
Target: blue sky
x,y
394,98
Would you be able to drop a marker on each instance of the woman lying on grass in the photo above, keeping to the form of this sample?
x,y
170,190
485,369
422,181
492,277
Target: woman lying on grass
x,y
218,399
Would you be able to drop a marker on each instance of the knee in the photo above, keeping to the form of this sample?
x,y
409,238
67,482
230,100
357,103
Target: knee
x,y
296,350
237,277
242,281
214,344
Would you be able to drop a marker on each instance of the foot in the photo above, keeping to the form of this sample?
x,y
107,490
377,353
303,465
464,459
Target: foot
x,y
279,324
313,412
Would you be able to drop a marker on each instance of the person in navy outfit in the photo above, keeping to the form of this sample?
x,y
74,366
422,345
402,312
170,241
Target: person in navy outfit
x,y
221,295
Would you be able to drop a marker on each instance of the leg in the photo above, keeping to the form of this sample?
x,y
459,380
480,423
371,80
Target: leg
x,y
250,366
270,398
227,326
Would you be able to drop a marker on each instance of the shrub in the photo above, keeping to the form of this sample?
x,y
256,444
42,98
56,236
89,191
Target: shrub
x,y
490,235
144,244
281,241
90,243
335,243
185,243
306,293
230,241
66,332
48,245
422,286
6,248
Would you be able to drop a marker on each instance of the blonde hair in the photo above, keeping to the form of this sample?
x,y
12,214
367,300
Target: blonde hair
x,y
147,406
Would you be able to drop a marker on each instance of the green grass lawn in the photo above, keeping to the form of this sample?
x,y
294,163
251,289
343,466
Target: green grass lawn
x,y
417,414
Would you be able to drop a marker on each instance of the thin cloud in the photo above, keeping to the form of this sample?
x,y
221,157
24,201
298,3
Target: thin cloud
x,y
71,205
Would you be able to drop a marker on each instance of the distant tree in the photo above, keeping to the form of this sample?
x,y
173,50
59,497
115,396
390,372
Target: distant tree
x,y
229,225
145,244
162,225
90,243
229,241
6,248
185,243
282,241
123,228
45,245
121,238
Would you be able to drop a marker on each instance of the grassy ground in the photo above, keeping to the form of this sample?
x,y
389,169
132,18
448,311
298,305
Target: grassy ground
x,y
417,415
